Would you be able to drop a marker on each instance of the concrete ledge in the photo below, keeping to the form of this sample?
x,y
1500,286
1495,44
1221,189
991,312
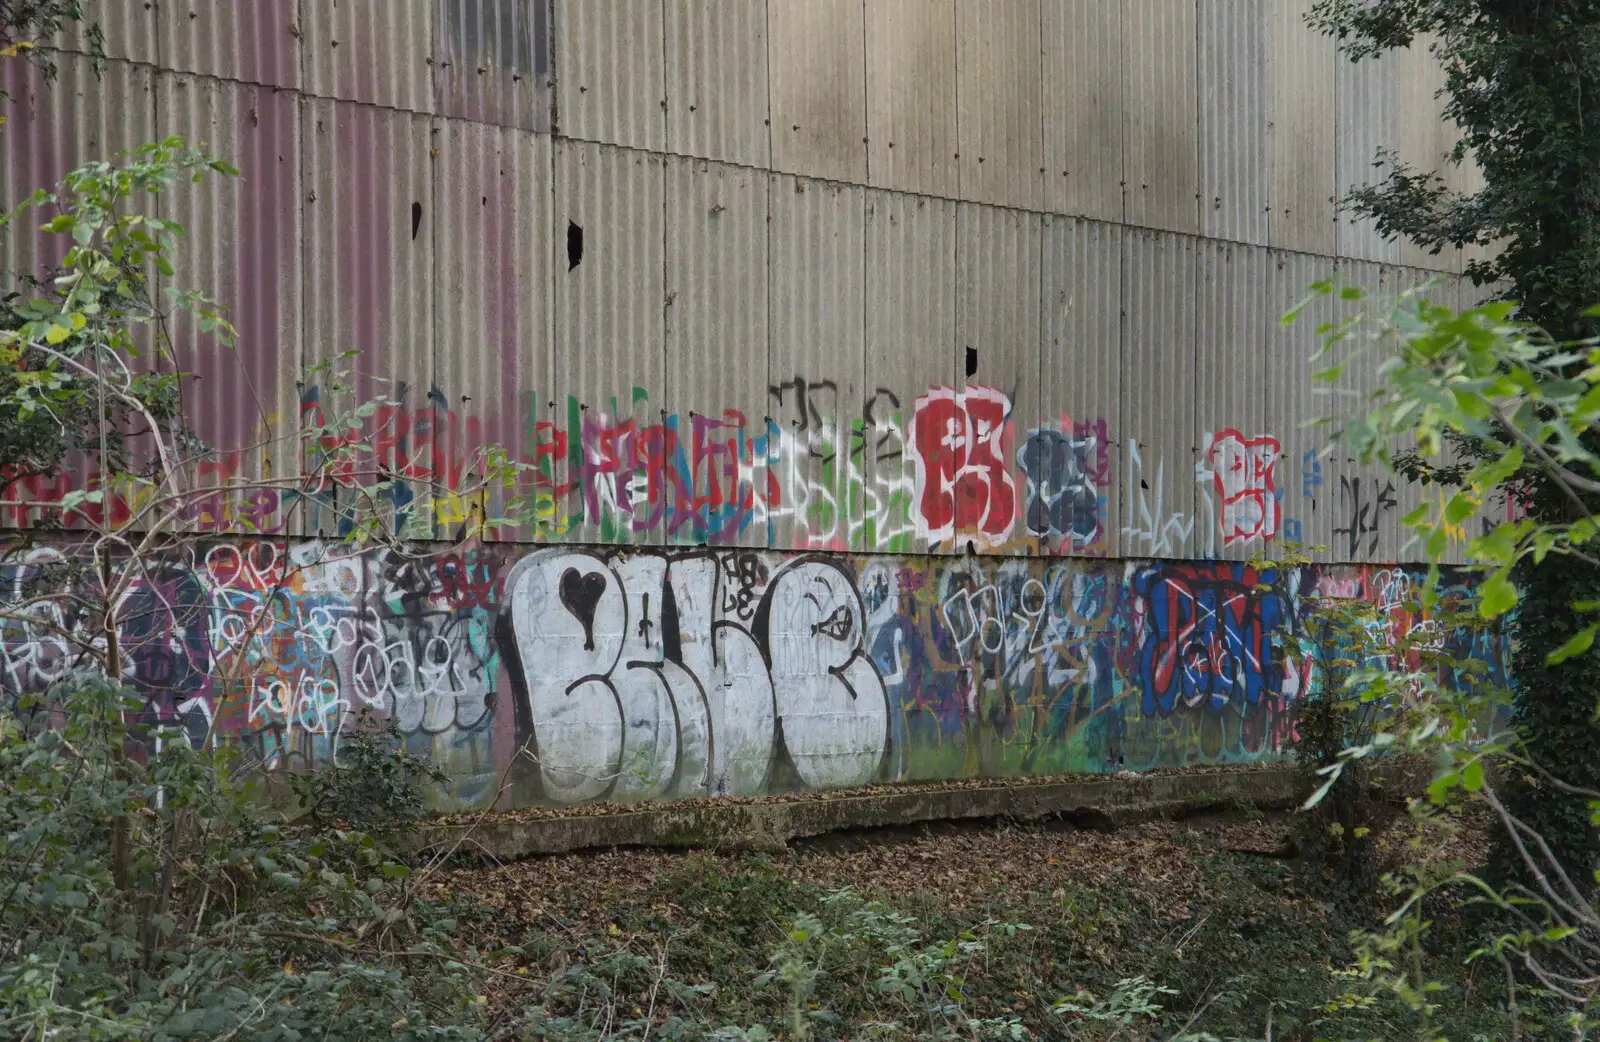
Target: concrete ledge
x,y
770,824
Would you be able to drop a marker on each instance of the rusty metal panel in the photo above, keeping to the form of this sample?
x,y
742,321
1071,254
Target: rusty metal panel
x,y
51,128
1306,515
1000,92
716,337
368,276
1301,131
1161,133
1367,122
377,51
997,326
911,340
492,198
821,441
1156,470
256,41
1234,163
1238,427
610,330
1080,389
242,248
1084,100
611,81
492,62
129,28
817,57
716,78
911,96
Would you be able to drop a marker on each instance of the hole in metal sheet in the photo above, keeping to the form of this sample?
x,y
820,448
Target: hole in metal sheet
x,y
972,361
416,220
574,244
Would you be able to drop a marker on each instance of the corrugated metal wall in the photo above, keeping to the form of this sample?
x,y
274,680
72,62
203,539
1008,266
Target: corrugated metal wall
x,y
705,264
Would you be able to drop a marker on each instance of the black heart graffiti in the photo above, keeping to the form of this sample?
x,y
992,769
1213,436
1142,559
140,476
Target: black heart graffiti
x,y
579,594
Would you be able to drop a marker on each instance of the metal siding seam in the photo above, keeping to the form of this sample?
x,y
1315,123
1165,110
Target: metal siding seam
x,y
716,73
911,96
377,51
613,82
817,67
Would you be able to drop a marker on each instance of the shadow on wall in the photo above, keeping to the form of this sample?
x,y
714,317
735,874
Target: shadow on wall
x,y
654,674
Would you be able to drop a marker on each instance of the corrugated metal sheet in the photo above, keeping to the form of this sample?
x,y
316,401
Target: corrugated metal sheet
x,y
1235,401
1000,91
1301,131
911,330
52,128
368,266
998,312
257,41
377,51
611,72
492,62
717,80
817,57
1161,147
242,248
1306,510
1234,162
1080,366
1425,137
911,96
128,27
1084,100
1156,471
609,309
492,200
1366,97
817,396
717,336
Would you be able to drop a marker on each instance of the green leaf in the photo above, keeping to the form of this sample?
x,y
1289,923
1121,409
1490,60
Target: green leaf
x,y
1472,776
1577,645
56,334
1496,596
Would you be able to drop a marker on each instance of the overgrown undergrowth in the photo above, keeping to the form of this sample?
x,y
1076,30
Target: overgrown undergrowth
x,y
1194,930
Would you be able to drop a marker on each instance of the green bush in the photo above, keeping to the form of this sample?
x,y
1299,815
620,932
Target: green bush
x,y
147,894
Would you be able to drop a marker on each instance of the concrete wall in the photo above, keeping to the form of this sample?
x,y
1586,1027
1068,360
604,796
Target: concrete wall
x,y
650,674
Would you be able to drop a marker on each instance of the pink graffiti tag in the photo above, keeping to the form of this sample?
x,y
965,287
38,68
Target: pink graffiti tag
x,y
963,484
1242,470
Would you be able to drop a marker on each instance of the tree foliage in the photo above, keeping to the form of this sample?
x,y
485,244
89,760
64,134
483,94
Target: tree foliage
x,y
1520,82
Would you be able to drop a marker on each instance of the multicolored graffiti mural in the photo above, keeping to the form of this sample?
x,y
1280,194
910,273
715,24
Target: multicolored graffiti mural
x,y
947,471
595,673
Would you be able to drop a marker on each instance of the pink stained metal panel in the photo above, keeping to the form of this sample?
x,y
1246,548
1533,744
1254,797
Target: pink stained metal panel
x,y
493,196
129,28
254,41
242,248
53,126
377,51
368,276
492,62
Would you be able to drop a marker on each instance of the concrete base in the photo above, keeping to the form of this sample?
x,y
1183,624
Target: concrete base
x,y
769,824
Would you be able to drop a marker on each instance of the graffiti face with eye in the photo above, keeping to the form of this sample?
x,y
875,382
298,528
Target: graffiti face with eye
x,y
839,625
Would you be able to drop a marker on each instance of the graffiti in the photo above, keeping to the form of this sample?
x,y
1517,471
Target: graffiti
x,y
1066,473
1242,470
692,700
1150,528
1210,637
963,485
658,673
1364,508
